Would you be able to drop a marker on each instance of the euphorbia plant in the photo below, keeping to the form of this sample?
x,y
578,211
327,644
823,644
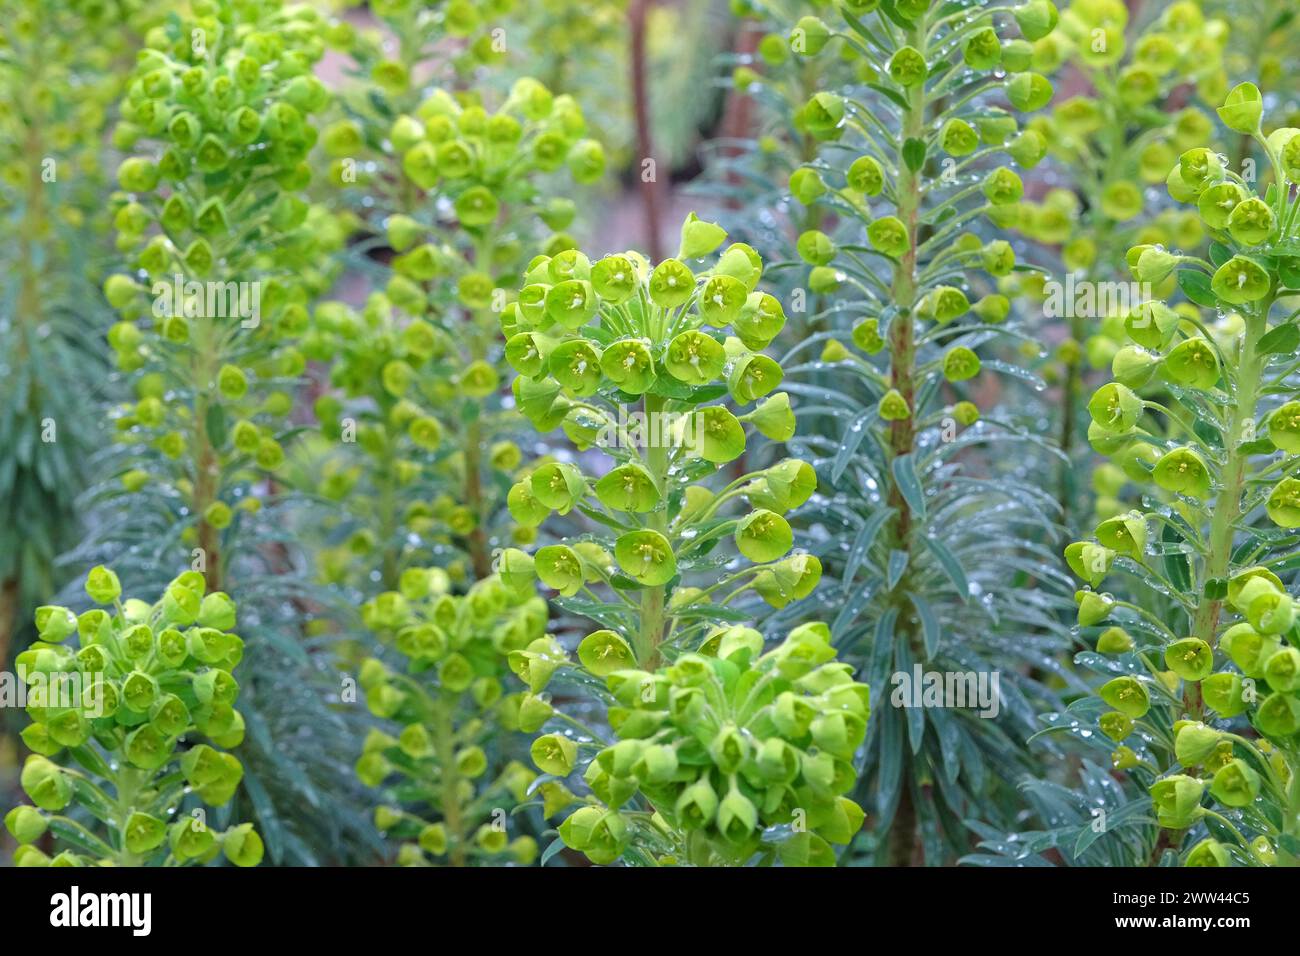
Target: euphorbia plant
x,y
724,754
213,220
125,707
448,800
223,256
924,543
1202,663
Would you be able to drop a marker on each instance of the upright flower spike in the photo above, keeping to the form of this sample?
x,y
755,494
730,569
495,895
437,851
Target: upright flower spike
x,y
685,334
1220,622
444,706
221,255
901,229
233,302
119,696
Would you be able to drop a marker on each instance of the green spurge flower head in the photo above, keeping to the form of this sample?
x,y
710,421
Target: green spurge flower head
x,y
445,705
126,694
725,754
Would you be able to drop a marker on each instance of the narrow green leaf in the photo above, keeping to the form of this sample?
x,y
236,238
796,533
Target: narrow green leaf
x,y
951,566
909,485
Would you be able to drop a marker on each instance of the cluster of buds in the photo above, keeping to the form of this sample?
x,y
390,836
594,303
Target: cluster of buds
x,y
476,26
723,755
125,705
418,369
444,767
636,361
1179,45
224,251
1215,469
591,341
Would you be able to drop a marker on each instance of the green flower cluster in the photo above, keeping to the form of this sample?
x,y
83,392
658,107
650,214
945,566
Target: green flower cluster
x,y
719,749
1212,624
418,367
475,26
125,707
450,701
1117,139
218,112
1122,135
633,360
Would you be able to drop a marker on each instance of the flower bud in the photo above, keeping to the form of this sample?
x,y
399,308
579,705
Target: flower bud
x,y
1115,725
1283,504
1184,472
1242,108
1191,658
46,783
694,358
699,238
907,67
1093,608
1282,669
646,556
1224,694
1002,186
1208,852
1029,92
1193,363
806,185
992,308
893,407
1115,408
1114,640
554,754
25,824
1194,742
809,36
1036,18
628,488
55,624
671,284
774,418
1123,758
1133,366
889,236
960,364
1240,280
242,846
1177,801
958,138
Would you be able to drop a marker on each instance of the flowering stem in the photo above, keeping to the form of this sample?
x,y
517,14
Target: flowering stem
x,y
449,778
902,840
1227,505
652,598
